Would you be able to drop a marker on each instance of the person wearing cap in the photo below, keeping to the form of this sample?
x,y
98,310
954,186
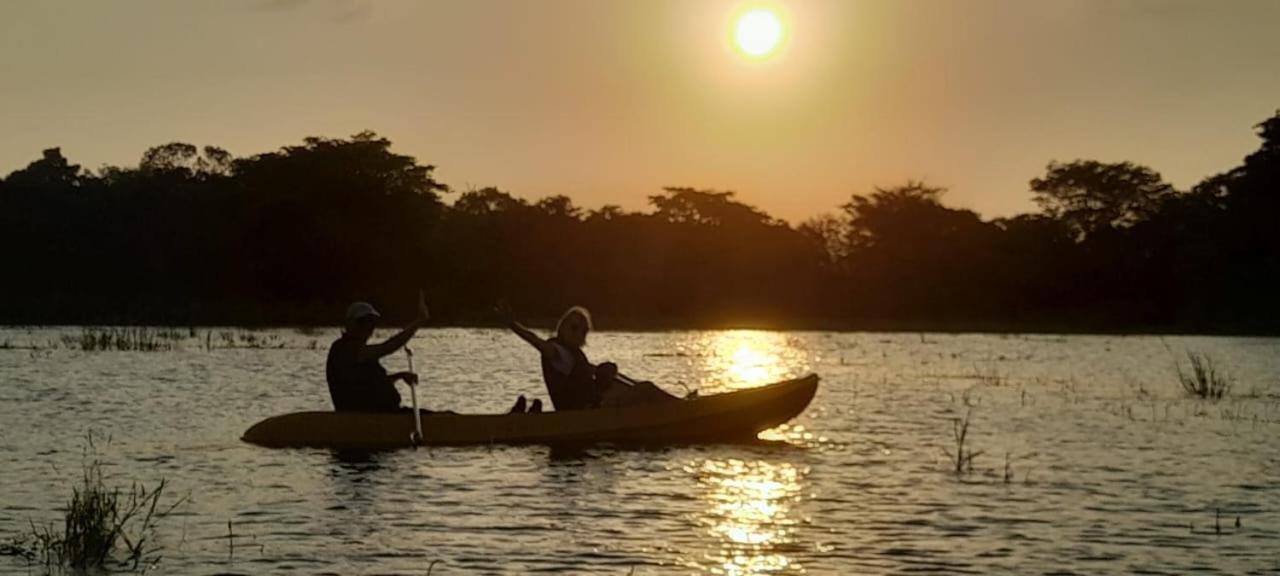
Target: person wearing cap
x,y
357,381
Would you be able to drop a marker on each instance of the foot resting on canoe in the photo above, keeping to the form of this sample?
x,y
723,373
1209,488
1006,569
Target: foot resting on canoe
x,y
522,406
573,382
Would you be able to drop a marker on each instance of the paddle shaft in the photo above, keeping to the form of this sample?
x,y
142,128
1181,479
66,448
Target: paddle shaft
x,y
413,397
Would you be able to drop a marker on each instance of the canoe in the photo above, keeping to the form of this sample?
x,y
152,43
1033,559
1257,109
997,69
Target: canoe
x,y
728,417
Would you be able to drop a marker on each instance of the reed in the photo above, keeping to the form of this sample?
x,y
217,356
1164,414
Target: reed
x,y
249,340
1203,378
988,374
962,457
120,338
102,526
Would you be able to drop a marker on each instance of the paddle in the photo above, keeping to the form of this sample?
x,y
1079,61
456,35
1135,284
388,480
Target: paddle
x,y
632,382
416,437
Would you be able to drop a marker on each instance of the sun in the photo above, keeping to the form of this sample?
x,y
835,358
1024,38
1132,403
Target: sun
x,y
758,33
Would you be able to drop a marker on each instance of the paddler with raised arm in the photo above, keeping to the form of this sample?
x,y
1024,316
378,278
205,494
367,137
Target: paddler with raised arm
x,y
357,380
573,382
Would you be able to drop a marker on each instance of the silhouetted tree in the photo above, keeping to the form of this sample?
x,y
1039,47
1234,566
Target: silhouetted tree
x,y
1090,195
559,207
1244,264
692,206
193,234
51,172
913,257
186,158
829,233
486,201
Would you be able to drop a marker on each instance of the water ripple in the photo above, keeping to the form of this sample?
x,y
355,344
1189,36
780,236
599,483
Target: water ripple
x,y
1091,460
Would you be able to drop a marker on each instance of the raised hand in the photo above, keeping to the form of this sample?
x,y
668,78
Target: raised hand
x,y
503,312
423,313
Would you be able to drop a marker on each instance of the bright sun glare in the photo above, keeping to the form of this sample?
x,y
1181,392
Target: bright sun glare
x,y
758,33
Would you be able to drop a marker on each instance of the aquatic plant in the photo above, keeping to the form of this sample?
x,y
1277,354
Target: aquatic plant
x,y
1204,379
309,330
101,521
962,458
102,526
988,374
19,546
248,340
232,538
122,338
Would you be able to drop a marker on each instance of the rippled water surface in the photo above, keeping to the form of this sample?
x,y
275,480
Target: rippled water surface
x,y
1090,459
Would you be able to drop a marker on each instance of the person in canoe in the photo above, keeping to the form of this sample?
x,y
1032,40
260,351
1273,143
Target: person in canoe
x,y
573,382
357,381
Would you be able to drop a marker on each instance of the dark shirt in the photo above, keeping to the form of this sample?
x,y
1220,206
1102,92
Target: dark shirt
x,y
577,390
357,386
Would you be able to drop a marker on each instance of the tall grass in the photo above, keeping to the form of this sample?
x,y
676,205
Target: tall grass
x,y
122,338
962,457
102,527
149,339
1203,378
988,374
250,340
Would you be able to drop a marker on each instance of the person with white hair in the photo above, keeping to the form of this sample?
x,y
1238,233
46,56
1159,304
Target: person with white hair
x,y
573,382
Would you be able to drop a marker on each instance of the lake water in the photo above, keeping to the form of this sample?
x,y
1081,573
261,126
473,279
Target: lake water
x,y
1092,459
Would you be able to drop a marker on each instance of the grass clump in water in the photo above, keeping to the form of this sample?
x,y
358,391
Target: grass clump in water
x,y
121,338
250,340
1204,378
103,527
962,458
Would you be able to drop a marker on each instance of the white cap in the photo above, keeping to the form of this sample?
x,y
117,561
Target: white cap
x,y
359,310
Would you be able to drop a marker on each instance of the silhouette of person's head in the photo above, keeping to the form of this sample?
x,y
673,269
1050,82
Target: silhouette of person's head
x,y
360,320
573,326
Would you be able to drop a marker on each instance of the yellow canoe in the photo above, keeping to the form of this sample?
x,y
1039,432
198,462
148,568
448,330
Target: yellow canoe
x,y
732,416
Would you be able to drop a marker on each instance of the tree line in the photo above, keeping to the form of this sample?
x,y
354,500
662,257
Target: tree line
x,y
198,236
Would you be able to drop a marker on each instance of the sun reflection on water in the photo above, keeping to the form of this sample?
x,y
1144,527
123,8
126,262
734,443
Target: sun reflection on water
x,y
748,515
737,359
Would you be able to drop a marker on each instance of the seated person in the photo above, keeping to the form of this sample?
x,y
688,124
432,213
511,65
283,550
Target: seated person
x,y
572,381
357,381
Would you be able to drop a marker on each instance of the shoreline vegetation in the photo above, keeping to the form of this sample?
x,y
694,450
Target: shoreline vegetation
x,y
198,237
677,325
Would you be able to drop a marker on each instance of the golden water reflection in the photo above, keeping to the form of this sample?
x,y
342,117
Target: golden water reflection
x,y
748,515
737,359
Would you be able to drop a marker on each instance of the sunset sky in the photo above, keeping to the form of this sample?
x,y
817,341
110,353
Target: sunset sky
x,y
608,101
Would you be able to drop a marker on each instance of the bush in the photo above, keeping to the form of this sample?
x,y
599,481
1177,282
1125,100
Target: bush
x,y
1205,379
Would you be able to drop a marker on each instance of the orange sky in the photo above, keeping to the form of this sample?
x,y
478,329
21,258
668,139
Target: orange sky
x,y
608,101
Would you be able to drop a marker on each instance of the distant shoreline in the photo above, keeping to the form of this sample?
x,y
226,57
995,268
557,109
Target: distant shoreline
x,y
791,325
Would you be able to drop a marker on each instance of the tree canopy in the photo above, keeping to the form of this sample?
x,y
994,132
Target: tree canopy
x,y
193,234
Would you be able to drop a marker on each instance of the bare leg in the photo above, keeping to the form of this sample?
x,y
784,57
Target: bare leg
x,y
619,394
